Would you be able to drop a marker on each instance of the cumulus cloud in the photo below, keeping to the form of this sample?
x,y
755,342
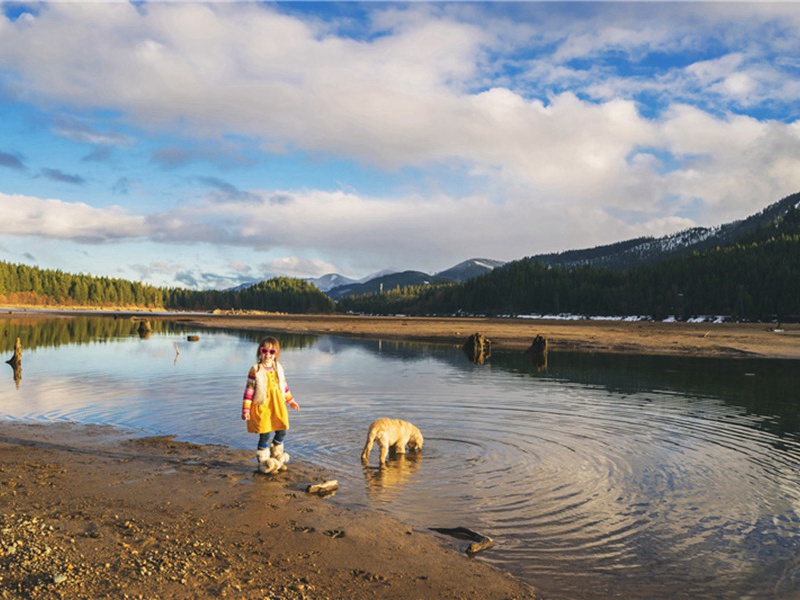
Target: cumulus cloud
x,y
26,215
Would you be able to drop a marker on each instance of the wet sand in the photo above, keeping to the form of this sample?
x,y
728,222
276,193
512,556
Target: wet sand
x,y
92,512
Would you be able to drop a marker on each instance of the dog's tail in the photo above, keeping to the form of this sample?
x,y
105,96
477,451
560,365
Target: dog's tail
x,y
368,446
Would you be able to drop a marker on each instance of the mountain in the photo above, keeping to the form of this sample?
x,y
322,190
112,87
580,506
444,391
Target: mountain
x,y
647,250
330,281
745,270
469,269
388,281
385,283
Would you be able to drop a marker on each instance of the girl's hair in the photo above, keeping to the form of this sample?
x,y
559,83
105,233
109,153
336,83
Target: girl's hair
x,y
267,342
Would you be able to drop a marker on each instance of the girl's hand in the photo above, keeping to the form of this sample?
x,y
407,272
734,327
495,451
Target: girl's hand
x,y
245,415
293,404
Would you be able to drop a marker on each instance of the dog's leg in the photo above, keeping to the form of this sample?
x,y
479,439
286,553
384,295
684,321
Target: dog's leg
x,y
383,444
400,446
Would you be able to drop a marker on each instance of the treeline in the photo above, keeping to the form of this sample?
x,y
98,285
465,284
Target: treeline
x,y
32,286
282,294
757,278
22,284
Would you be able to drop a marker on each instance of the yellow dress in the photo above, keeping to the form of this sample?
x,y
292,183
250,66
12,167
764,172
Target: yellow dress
x,y
268,408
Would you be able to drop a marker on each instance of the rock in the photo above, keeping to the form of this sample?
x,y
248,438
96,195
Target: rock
x,y
323,488
480,541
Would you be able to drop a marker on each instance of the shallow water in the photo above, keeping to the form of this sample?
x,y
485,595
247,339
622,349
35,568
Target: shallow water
x,y
598,477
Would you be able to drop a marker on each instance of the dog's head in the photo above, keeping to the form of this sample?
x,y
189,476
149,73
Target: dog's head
x,y
415,441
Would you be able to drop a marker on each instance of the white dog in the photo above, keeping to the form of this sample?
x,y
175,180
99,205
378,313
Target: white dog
x,y
391,433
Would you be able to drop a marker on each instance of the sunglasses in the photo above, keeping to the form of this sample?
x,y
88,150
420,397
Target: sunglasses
x,y
266,351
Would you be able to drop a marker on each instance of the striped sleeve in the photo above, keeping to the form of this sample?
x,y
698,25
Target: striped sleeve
x,y
249,389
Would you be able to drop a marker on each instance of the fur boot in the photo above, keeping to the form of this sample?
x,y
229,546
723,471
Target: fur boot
x,y
277,454
267,464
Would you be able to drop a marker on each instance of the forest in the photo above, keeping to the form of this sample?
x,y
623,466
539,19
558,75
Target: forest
x,y
23,285
756,277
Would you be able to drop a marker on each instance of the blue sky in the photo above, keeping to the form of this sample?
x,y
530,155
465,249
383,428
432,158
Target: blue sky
x,y
202,145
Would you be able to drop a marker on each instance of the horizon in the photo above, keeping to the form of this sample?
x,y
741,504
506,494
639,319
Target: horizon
x,y
305,139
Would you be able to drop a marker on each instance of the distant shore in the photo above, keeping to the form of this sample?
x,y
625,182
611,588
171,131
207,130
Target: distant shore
x,y
735,340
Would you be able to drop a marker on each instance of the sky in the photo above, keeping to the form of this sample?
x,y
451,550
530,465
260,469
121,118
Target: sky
x,y
203,145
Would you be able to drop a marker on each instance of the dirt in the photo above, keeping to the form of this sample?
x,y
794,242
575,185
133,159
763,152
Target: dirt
x,y
90,512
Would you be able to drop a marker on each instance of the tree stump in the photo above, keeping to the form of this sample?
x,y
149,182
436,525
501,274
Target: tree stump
x,y
16,362
538,351
144,329
478,348
17,358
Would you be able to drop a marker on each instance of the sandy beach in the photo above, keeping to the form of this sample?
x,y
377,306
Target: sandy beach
x,y
89,512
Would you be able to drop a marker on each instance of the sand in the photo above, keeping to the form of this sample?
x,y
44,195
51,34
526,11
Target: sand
x,y
91,512
763,340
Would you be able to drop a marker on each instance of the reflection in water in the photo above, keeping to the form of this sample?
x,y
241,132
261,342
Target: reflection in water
x,y
398,472
600,476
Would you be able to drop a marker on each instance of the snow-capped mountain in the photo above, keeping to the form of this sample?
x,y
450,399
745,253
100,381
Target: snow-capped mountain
x,y
648,250
329,281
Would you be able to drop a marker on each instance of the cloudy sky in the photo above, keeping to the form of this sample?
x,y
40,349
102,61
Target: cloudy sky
x,y
202,145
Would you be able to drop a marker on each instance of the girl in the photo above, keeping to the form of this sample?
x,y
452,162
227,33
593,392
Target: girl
x,y
265,398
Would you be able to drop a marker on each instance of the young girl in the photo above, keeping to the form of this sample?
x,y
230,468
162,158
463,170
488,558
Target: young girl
x,y
265,398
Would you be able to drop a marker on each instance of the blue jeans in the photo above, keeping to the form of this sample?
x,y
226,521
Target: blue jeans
x,y
264,438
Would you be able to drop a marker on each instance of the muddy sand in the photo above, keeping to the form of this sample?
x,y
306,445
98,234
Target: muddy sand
x,y
93,512
90,512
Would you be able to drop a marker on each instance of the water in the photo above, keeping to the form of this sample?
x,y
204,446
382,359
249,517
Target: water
x,y
598,477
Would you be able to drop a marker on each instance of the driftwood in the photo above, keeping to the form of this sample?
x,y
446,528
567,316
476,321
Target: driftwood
x,y
478,348
479,541
325,488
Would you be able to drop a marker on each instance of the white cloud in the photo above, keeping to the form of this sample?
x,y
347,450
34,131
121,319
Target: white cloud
x,y
295,266
25,215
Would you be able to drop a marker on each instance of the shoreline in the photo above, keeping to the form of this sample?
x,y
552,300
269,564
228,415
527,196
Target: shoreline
x,y
730,340
724,340
90,511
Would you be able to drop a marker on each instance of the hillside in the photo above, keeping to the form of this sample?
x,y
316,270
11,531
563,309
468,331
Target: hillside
x,y
463,271
746,270
647,250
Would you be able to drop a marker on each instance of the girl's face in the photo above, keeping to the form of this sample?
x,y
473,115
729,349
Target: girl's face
x,y
268,353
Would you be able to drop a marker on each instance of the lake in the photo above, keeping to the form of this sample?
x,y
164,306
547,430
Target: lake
x,y
597,476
